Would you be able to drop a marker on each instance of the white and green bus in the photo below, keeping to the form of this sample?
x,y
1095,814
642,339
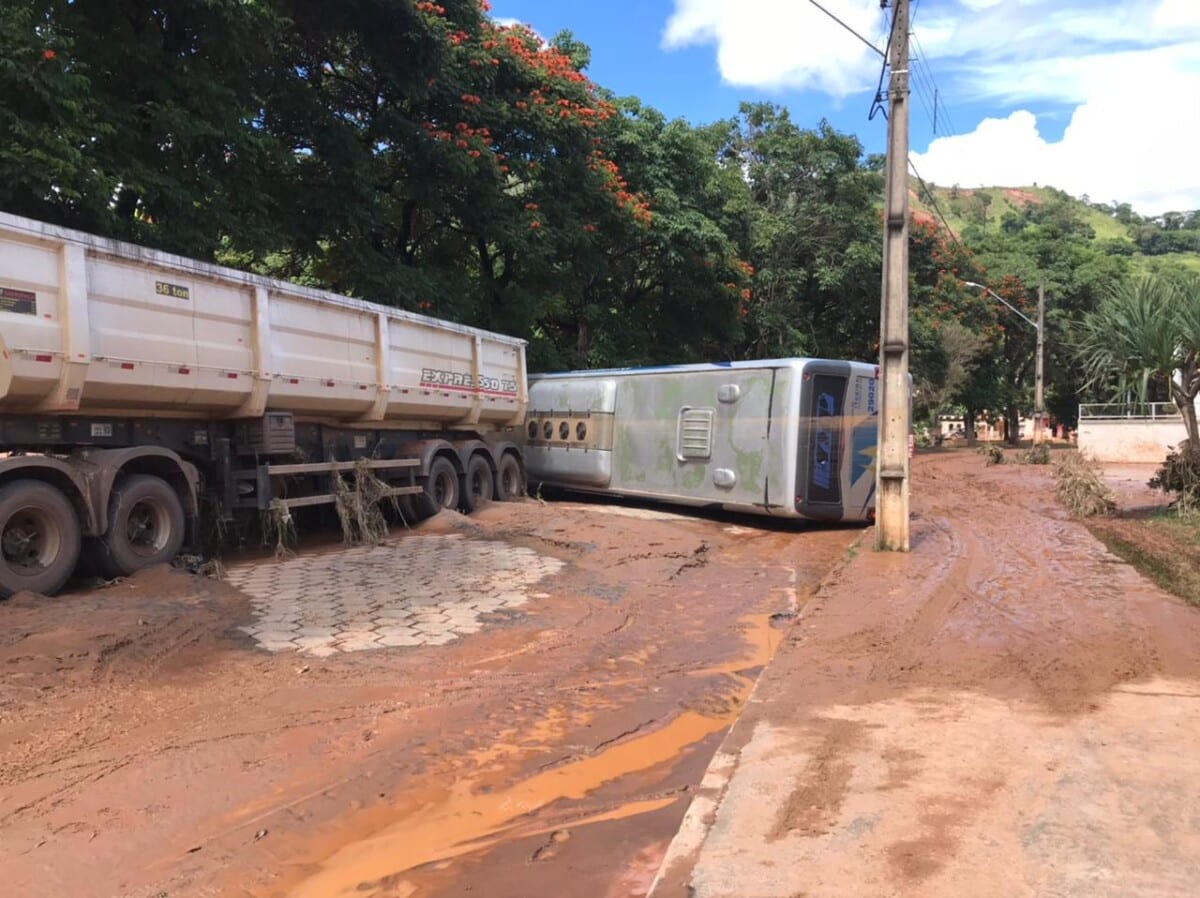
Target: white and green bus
x,y
783,437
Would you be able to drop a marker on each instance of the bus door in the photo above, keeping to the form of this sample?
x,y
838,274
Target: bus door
x,y
821,448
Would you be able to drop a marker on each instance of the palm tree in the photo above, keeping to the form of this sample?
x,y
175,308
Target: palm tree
x,y
1145,332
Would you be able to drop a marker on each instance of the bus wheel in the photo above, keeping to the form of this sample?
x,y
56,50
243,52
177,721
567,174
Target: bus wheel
x,y
39,538
480,484
509,481
145,526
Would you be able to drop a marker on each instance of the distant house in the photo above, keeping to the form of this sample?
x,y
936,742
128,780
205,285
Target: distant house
x,y
951,427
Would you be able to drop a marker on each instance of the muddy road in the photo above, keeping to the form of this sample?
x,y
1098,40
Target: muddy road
x,y
1009,711
520,702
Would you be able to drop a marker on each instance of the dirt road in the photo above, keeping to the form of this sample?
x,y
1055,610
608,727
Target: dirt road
x,y
525,702
515,703
1008,711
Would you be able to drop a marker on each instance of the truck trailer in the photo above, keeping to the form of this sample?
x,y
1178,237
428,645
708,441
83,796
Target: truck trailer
x,y
791,438
138,388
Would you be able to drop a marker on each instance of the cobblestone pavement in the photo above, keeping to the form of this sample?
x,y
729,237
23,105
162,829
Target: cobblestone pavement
x,y
418,590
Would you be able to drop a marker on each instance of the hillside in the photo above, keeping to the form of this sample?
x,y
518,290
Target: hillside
x,y
1119,230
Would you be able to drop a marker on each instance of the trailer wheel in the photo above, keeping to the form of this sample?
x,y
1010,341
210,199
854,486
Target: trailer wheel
x,y
510,483
145,526
441,486
39,538
480,483
414,508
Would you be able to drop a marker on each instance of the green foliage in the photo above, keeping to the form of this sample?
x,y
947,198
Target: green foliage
x,y
1143,342
814,236
423,155
1180,474
48,116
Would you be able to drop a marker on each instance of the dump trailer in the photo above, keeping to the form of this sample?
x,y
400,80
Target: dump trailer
x,y
138,388
788,438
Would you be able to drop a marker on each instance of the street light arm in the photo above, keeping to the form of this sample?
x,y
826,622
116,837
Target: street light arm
x,y
1010,306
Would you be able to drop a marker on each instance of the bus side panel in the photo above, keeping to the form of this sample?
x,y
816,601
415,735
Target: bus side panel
x,y
699,437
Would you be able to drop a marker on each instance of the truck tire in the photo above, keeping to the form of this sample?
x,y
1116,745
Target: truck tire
x,y
480,484
510,484
145,526
441,487
39,538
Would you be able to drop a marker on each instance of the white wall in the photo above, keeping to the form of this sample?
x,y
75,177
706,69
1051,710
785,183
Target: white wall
x,y
1136,440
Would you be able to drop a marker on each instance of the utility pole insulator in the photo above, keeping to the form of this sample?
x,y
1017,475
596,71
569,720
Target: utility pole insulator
x,y
895,405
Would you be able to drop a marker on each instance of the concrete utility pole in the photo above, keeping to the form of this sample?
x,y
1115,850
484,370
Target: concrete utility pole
x,y
1039,403
891,467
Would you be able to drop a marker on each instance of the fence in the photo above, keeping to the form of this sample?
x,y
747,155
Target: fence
x,y
1128,411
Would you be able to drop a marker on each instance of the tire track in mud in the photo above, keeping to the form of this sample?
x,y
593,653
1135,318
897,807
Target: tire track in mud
x,y
1039,574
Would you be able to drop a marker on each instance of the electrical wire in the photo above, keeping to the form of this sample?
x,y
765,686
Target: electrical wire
x,y
877,105
927,101
927,74
848,28
936,208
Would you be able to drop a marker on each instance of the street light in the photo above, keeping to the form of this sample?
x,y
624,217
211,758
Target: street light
x,y
1039,327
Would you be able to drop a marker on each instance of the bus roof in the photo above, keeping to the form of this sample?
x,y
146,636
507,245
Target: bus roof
x,y
703,366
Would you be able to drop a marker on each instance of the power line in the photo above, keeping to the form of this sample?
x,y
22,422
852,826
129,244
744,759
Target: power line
x,y
877,105
926,72
886,36
848,28
927,94
934,94
936,208
922,92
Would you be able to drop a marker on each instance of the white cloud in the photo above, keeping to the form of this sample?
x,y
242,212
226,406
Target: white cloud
x,y
1126,72
1135,119
783,43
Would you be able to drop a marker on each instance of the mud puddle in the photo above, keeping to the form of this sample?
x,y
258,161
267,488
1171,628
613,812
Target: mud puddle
x,y
629,776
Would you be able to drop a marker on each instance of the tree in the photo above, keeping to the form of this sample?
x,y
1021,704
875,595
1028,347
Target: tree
x,y
49,117
140,120
954,332
1146,333
814,236
1053,246
675,288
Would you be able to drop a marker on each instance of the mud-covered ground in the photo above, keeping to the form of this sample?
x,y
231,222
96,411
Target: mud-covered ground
x,y
525,703
516,703
1008,711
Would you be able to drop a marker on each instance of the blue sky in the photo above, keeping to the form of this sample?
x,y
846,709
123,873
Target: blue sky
x,y
1097,98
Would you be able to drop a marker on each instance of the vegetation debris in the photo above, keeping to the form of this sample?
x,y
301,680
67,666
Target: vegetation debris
x,y
1080,487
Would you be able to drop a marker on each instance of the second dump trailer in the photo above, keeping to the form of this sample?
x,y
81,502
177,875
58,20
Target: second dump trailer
x,y
137,387
783,437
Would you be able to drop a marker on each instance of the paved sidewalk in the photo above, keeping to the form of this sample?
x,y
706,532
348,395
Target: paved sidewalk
x,y
417,590
1006,711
